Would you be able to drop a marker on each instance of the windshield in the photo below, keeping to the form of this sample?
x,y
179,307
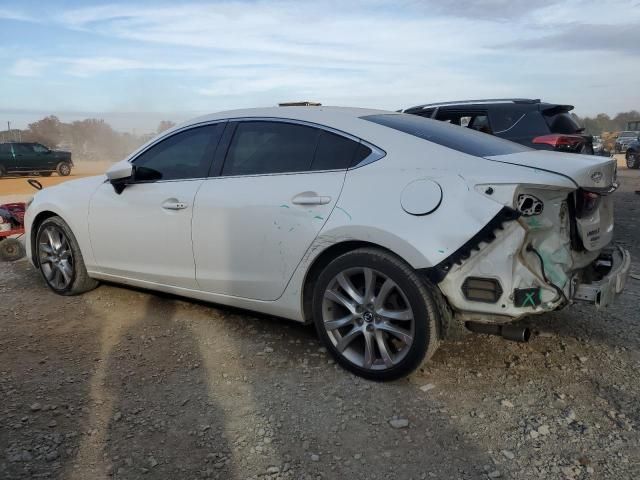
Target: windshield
x,y
629,134
462,139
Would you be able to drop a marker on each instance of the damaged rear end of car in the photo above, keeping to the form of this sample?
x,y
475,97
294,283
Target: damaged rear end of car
x,y
549,246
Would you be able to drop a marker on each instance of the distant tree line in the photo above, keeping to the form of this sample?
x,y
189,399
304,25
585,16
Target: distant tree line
x,y
89,139
602,122
94,139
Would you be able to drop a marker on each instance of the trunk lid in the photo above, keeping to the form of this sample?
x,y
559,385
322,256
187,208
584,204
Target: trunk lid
x,y
586,171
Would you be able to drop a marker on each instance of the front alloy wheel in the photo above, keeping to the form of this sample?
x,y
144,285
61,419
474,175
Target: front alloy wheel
x,y
55,258
375,315
60,260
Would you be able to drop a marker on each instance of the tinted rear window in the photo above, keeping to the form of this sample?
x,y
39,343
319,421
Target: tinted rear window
x,y
465,140
334,152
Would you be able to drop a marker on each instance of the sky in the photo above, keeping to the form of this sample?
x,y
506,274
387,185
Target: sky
x,y
137,62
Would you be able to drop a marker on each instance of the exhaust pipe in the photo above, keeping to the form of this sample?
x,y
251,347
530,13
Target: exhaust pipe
x,y
508,332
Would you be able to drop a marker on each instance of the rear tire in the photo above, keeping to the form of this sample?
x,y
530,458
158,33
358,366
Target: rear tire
x,y
633,161
3,171
11,250
64,169
375,315
59,259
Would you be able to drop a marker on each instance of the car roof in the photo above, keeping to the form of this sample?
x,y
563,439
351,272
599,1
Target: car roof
x,y
344,119
305,113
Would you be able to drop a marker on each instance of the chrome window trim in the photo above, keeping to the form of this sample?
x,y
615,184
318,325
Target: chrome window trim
x,y
171,133
376,152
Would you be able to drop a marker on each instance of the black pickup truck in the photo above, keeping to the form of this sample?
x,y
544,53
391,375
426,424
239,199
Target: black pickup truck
x,y
21,157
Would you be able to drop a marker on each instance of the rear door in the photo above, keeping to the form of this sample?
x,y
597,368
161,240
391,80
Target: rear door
x,y
278,183
24,157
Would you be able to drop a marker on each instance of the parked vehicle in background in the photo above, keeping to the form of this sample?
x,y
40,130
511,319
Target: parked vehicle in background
x,y
598,145
385,230
536,124
27,157
632,155
624,139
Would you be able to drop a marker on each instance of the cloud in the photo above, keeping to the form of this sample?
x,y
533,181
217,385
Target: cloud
x,y
384,53
495,10
7,14
28,68
587,37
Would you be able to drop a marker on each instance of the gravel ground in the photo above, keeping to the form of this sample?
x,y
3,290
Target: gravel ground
x,y
124,384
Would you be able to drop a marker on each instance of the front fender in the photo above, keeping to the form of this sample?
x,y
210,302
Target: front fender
x,y
69,201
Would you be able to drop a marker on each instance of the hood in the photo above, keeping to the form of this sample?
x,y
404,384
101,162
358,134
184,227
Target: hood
x,y
586,171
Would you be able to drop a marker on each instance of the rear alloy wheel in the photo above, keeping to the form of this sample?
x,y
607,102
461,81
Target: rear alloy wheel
x,y
63,169
11,250
632,159
375,315
60,260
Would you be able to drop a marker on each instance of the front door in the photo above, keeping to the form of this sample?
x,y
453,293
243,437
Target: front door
x,y
43,158
253,224
144,232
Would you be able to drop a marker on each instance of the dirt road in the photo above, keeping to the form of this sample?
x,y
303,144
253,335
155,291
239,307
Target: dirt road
x,y
16,188
125,384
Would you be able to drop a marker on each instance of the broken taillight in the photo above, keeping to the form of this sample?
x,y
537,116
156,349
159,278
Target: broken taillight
x,y
586,203
560,142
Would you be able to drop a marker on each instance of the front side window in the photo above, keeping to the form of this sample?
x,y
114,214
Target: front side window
x,y
181,156
270,147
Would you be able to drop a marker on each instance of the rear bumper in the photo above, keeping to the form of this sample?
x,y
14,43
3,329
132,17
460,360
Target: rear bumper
x,y
603,292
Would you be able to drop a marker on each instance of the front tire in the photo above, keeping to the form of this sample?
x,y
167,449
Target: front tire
x,y
633,160
375,315
59,259
64,169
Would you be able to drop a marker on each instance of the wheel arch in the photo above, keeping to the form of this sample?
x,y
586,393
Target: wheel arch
x,y
35,226
334,251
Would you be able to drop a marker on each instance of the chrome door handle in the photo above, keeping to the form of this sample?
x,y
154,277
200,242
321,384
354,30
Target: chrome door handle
x,y
171,205
306,199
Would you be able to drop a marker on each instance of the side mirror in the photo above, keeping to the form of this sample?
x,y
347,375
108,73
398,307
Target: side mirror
x,y
119,174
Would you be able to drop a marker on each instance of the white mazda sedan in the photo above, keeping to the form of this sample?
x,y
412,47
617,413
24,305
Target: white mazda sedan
x,y
387,231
